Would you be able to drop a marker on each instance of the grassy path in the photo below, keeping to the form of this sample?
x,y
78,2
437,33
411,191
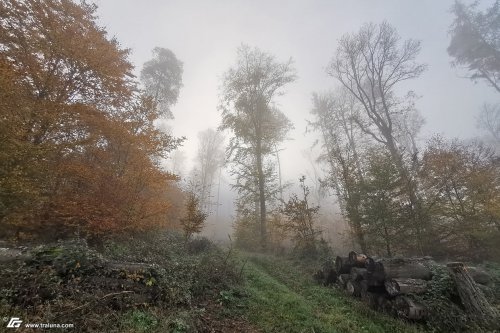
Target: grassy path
x,y
282,298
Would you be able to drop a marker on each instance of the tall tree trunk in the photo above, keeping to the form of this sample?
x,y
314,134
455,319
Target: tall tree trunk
x,y
351,210
262,194
411,188
218,197
387,242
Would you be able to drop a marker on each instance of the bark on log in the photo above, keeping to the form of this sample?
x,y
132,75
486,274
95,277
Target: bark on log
x,y
329,273
358,274
342,265
473,299
330,277
367,286
370,298
370,264
343,278
402,268
375,300
488,292
479,275
357,259
396,287
407,308
353,288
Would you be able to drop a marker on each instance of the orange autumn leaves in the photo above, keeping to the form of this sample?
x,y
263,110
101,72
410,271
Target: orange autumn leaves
x,y
79,150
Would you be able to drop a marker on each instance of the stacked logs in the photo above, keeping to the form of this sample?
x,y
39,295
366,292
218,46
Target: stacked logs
x,y
386,284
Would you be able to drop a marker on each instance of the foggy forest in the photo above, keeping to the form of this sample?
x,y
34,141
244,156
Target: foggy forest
x,y
249,166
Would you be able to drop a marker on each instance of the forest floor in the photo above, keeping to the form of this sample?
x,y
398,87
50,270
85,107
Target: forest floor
x,y
283,297
164,284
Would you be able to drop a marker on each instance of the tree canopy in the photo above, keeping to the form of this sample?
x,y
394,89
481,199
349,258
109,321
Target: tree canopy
x,y
162,79
80,152
248,110
475,41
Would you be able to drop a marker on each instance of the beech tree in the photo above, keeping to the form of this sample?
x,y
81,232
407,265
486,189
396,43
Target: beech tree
x,y
382,205
81,150
209,158
60,81
300,221
462,186
248,110
194,218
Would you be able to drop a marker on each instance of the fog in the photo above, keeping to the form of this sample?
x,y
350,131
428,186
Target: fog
x,y
249,166
204,35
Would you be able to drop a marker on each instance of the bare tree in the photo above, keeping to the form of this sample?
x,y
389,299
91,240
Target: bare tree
x,y
371,64
489,120
209,159
334,118
176,162
248,109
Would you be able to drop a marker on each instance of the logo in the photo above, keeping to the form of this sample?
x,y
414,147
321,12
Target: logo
x,y
14,322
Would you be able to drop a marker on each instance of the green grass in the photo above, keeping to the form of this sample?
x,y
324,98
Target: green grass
x,y
282,297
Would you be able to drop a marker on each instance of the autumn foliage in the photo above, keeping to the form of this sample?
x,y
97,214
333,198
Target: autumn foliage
x,y
461,182
79,150
194,218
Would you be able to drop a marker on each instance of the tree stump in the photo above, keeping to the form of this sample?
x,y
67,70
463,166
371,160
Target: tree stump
x,y
472,297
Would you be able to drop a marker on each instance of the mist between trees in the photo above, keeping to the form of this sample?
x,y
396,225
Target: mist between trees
x,y
82,152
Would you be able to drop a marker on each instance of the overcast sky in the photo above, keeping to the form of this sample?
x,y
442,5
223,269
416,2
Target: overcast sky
x,y
205,34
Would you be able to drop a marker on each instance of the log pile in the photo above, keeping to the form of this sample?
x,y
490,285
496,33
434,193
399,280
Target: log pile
x,y
390,284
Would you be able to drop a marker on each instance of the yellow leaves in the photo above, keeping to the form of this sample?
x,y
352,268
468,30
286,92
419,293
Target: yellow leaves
x,y
80,145
61,51
462,189
150,282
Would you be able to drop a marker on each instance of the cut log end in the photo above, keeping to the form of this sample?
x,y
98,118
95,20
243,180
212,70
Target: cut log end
x,y
342,280
353,288
357,259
